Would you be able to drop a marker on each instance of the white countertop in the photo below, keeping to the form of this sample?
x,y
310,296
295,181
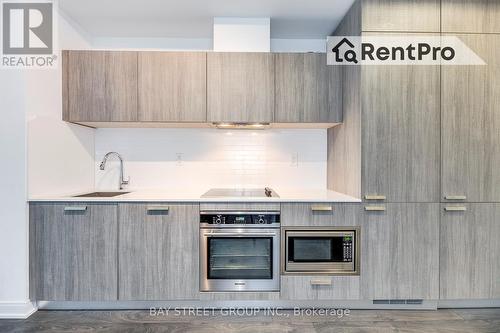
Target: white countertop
x,y
186,195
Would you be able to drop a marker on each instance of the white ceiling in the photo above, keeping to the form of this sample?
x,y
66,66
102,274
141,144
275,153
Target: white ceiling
x,y
193,18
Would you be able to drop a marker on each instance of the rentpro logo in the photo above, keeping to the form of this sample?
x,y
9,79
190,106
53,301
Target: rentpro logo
x,y
400,50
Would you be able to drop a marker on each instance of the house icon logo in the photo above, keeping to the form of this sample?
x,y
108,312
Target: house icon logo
x,y
344,51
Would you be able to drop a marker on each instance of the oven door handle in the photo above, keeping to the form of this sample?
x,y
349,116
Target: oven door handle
x,y
240,234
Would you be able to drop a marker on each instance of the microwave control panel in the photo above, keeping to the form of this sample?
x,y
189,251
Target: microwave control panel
x,y
347,245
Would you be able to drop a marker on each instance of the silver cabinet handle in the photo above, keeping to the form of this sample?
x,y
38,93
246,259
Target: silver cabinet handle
x,y
75,208
158,208
321,282
455,197
375,208
455,208
321,208
375,197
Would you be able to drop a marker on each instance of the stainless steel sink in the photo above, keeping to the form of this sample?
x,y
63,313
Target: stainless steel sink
x,y
100,194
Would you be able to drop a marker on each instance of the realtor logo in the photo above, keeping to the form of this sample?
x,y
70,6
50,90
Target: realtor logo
x,y
28,35
27,28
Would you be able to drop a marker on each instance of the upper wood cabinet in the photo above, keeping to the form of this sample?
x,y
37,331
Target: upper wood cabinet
x,y
307,89
400,133
400,251
240,87
477,16
470,124
73,252
99,86
105,87
469,263
172,86
401,15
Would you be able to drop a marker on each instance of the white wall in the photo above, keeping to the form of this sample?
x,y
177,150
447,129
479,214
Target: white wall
x,y
60,155
211,158
13,213
205,158
40,153
201,44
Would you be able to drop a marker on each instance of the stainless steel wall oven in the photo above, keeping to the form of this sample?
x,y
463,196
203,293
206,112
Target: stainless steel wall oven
x,y
320,250
239,250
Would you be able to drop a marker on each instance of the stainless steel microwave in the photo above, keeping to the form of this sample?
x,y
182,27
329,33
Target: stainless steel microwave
x,y
320,250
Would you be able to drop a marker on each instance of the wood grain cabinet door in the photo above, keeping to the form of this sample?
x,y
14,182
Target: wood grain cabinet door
x,y
469,255
400,251
240,87
471,123
401,15
73,252
478,16
307,89
99,86
319,287
322,214
401,133
158,251
172,86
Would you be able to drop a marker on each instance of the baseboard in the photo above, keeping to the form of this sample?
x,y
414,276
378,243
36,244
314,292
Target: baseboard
x,y
145,305
469,303
17,310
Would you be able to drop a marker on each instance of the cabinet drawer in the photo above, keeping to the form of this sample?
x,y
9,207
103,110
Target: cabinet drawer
x,y
312,287
310,214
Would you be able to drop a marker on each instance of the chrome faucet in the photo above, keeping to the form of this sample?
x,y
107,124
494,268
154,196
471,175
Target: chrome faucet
x,y
103,165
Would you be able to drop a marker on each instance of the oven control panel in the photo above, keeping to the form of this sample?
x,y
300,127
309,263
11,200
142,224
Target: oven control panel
x,y
213,219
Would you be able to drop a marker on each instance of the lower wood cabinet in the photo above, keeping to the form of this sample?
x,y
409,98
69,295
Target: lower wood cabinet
x,y
73,251
319,287
138,251
400,251
470,250
158,251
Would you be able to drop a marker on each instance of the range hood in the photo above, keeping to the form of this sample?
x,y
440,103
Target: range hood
x,y
242,34
247,126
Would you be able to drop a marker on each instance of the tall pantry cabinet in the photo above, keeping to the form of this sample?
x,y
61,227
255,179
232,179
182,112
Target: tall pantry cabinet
x,y
392,113
470,165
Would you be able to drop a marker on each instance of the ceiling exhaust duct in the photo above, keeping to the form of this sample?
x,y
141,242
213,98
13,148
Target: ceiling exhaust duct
x,y
241,34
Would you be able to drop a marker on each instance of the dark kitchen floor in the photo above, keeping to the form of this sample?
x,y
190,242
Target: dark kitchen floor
x,y
380,321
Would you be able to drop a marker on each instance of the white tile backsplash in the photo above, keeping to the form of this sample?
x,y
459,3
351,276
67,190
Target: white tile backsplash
x,y
206,158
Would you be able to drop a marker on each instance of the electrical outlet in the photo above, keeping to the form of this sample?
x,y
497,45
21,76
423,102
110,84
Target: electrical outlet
x,y
294,160
179,158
